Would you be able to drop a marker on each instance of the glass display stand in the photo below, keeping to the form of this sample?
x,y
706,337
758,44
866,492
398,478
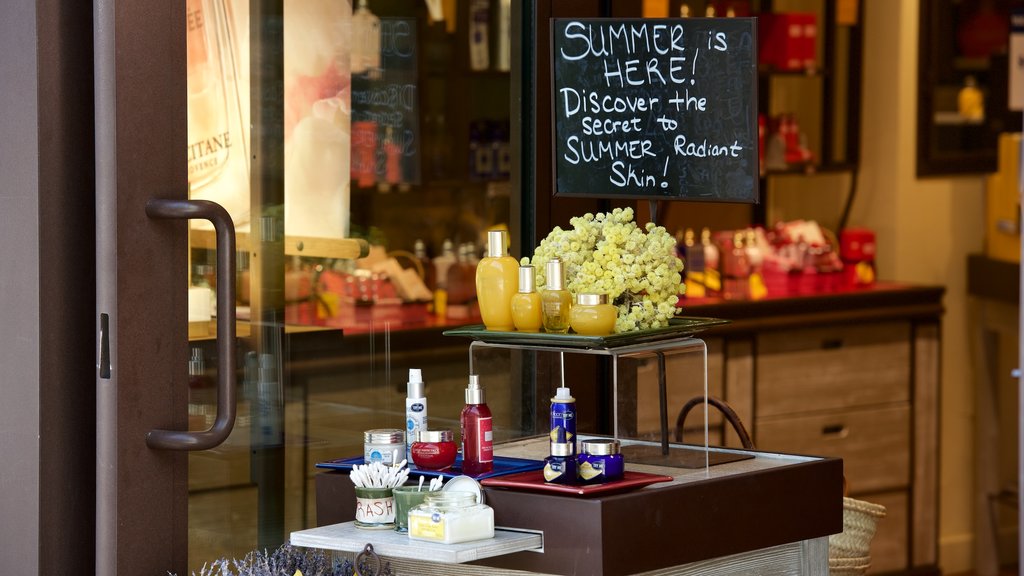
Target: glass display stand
x,y
667,343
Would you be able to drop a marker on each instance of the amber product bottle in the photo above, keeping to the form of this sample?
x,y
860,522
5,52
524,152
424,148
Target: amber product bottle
x,y
496,283
695,267
526,306
555,299
477,435
461,278
736,269
712,264
429,272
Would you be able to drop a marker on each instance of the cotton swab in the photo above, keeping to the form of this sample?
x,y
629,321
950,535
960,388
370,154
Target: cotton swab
x,y
420,487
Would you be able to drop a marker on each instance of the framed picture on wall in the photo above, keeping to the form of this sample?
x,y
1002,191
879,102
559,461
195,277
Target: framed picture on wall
x,y
962,85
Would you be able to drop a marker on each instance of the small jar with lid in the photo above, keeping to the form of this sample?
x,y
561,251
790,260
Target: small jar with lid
x,y
600,461
434,450
593,315
450,517
384,445
560,466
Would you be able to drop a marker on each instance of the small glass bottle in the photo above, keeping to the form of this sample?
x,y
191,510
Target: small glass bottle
x,y
429,272
712,269
555,299
736,269
593,315
600,461
526,307
560,466
450,517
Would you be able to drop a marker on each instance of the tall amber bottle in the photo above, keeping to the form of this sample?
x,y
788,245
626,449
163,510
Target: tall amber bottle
x,y
555,299
497,281
526,309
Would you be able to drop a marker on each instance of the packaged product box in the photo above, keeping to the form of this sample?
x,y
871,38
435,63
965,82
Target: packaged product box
x,y
788,41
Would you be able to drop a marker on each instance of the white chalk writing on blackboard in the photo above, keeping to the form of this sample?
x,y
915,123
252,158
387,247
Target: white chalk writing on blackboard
x,y
655,107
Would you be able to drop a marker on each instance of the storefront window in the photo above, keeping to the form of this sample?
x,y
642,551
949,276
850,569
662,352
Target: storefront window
x,y
395,126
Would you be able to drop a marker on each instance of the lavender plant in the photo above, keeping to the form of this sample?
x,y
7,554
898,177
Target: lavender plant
x,y
287,561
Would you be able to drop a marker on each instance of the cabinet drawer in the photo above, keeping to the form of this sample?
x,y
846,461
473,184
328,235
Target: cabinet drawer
x,y
832,367
874,444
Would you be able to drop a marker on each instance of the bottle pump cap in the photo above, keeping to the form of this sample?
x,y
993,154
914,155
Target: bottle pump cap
x,y
555,275
474,393
562,394
495,243
414,388
527,279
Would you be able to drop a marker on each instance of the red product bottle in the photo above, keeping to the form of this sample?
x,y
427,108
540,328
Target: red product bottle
x,y
477,438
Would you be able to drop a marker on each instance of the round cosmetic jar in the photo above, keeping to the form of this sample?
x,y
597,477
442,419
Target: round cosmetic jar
x,y
384,445
434,450
592,315
600,461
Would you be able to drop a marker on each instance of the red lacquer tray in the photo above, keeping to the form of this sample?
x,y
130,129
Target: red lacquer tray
x,y
534,480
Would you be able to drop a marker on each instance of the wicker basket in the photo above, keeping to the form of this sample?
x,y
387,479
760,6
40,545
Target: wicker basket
x,y
860,519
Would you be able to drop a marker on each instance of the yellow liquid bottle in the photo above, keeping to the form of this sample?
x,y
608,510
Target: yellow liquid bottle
x,y
526,306
555,299
496,283
593,315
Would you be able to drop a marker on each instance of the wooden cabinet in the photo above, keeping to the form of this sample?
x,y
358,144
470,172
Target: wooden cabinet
x,y
852,375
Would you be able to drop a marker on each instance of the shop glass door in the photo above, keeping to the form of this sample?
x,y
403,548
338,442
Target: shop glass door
x,y
377,159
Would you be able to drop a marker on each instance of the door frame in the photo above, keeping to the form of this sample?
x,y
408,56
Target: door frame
x,y
141,264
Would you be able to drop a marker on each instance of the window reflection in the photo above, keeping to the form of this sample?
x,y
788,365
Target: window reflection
x,y
396,131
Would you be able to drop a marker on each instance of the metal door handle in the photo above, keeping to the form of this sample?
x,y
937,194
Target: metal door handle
x,y
225,229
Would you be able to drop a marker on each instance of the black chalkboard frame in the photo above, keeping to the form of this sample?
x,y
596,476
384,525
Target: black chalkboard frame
x,y
751,191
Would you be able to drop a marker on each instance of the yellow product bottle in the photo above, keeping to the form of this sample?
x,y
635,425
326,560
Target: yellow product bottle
x,y
555,299
593,315
496,282
526,307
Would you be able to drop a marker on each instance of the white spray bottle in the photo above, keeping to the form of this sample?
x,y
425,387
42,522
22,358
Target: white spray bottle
x,y
415,409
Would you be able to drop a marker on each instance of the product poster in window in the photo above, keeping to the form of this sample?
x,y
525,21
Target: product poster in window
x,y
318,64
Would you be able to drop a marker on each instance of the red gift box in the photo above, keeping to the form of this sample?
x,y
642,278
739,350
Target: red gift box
x,y
788,41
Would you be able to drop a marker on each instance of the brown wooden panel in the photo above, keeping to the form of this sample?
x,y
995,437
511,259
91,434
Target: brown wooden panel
x,y
925,518
739,385
832,367
874,444
67,286
150,322
889,549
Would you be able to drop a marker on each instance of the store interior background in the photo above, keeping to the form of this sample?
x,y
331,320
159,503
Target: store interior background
x,y
926,228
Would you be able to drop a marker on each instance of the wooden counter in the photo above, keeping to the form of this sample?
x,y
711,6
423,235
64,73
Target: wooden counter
x,y
772,510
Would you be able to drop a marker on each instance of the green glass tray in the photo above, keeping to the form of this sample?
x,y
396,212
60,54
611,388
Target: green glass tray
x,y
679,327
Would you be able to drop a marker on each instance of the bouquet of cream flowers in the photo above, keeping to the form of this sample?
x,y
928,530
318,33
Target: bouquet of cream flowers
x,y
608,253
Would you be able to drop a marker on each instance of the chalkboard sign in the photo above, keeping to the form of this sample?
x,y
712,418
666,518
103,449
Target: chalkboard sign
x,y
655,108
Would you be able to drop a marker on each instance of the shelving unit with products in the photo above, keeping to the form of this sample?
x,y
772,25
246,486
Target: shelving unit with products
x,y
821,94
462,148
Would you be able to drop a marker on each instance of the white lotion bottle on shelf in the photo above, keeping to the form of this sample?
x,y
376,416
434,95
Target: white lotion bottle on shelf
x,y
415,409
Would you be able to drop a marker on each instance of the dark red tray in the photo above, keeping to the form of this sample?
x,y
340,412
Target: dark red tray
x,y
534,480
